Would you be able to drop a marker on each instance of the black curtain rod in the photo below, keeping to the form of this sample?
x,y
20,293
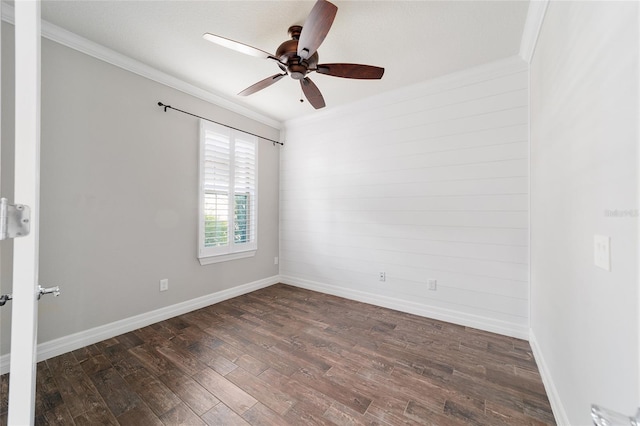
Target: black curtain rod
x,y
160,104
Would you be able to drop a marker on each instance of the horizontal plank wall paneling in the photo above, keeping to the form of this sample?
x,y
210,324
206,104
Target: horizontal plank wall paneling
x,y
429,182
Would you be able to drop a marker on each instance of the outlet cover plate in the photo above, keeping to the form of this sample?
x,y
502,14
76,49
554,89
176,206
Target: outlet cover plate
x,y
164,284
432,284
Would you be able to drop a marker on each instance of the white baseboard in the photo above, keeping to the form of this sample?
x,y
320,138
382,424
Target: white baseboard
x,y
559,413
461,318
81,339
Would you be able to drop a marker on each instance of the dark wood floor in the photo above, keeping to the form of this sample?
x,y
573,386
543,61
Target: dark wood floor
x,y
284,355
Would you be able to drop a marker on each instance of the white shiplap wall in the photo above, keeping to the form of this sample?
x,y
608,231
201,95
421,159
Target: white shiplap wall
x,y
426,182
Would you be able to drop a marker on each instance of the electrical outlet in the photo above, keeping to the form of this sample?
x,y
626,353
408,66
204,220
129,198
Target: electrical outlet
x,y
602,252
382,276
164,284
433,284
276,260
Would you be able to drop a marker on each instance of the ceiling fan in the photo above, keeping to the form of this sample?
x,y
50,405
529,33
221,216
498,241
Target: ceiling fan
x,y
298,57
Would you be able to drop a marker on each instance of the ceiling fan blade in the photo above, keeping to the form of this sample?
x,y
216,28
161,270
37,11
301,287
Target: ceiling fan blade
x,y
362,72
316,27
262,84
237,46
312,93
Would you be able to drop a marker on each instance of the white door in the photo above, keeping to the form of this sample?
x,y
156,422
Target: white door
x,y
24,317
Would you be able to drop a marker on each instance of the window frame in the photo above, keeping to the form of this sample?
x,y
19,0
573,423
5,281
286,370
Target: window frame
x,y
232,250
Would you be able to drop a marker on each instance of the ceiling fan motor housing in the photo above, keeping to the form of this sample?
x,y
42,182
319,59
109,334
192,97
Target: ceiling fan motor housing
x,y
287,52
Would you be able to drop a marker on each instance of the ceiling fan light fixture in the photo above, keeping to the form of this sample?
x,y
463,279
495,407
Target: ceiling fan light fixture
x,y
297,70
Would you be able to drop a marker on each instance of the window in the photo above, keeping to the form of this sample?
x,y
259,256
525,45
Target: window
x,y
228,194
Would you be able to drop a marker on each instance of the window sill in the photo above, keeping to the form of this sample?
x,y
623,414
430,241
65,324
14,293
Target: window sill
x,y
208,260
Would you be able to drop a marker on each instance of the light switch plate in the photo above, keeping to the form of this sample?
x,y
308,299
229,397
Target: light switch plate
x,y
602,252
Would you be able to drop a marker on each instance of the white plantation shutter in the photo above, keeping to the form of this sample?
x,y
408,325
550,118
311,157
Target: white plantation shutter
x,y
245,190
217,179
228,174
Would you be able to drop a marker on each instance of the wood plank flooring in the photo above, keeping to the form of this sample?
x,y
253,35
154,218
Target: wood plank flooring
x,y
284,355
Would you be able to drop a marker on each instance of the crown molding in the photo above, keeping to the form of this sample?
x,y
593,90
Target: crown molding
x,y
532,26
510,65
74,41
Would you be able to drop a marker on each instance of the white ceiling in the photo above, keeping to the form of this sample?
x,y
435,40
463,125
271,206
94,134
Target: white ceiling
x,y
413,40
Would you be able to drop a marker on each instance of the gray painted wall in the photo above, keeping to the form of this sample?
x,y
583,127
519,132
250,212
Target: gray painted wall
x,y
584,161
6,178
119,188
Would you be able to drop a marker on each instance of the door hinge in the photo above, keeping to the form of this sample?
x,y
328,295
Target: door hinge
x,y
15,220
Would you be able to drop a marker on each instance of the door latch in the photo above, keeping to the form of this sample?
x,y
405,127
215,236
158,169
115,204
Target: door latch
x,y
4,298
15,220
49,290
605,417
